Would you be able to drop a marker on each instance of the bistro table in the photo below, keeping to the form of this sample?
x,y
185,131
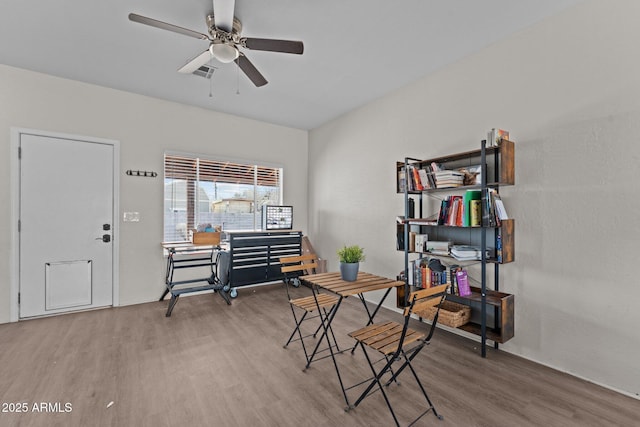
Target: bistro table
x,y
332,282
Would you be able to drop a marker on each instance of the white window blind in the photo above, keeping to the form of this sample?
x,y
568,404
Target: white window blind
x,y
201,191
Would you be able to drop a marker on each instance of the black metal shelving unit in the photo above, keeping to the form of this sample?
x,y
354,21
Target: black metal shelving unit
x,y
495,322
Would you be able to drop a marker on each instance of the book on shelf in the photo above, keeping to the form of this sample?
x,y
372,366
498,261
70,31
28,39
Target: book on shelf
x,y
459,220
475,213
402,180
489,217
463,283
449,178
421,242
452,205
421,276
400,240
426,178
416,182
451,211
494,211
420,272
501,212
430,176
424,221
494,136
467,252
442,215
469,195
453,289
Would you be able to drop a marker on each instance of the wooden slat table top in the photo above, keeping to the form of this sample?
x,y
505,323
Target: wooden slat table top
x,y
365,282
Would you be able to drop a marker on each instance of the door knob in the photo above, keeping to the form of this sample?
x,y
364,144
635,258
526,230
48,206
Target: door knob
x,y
105,238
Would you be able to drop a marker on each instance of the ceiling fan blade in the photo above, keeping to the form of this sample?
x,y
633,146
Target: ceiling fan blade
x,y
196,62
251,71
164,26
223,14
284,46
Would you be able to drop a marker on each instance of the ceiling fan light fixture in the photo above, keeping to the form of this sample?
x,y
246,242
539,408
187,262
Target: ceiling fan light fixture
x,y
223,52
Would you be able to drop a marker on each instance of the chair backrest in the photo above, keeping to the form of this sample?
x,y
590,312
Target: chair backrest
x,y
296,266
421,300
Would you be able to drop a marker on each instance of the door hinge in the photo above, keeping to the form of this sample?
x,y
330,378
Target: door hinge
x,y
18,297
19,226
19,152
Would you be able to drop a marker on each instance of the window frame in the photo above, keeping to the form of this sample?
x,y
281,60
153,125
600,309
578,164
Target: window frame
x,y
193,202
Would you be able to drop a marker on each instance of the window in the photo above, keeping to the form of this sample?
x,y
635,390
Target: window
x,y
199,191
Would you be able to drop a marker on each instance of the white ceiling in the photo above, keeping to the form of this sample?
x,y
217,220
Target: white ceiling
x,y
355,50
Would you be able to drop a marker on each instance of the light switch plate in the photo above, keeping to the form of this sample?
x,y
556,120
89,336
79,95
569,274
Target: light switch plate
x,y
131,217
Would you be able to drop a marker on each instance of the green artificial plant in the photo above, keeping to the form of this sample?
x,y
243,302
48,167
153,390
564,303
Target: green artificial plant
x,y
351,254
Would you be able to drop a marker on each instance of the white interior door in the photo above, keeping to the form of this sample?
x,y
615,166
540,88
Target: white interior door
x,y
66,225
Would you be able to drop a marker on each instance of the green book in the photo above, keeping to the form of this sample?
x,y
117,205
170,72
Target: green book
x,y
468,196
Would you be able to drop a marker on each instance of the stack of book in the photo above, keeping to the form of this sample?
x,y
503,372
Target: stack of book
x,y
421,276
494,211
466,253
438,247
448,178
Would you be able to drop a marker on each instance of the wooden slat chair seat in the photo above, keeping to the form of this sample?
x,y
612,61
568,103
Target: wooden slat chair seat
x,y
294,267
399,343
385,337
309,303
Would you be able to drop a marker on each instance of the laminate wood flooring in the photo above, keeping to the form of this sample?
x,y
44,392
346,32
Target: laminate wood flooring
x,y
210,364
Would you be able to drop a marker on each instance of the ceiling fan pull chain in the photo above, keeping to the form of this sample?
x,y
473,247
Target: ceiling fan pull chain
x,y
238,78
210,87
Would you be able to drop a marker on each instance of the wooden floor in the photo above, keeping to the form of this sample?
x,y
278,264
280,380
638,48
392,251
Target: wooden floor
x,y
216,365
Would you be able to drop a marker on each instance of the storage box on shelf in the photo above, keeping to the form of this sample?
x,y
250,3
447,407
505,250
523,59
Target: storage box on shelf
x,y
487,169
500,316
500,326
451,314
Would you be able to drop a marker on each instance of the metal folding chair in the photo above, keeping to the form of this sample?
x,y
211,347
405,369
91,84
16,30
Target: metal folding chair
x,y
398,343
303,308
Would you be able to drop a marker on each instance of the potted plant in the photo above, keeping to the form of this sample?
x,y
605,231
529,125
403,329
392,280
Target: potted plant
x,y
350,258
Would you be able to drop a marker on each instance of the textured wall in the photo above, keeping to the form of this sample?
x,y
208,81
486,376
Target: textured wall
x,y
145,127
568,91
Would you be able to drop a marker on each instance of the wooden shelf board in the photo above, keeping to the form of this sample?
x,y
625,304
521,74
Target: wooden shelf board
x,y
493,298
492,335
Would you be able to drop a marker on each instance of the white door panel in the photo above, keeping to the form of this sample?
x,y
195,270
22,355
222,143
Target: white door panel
x,y
66,202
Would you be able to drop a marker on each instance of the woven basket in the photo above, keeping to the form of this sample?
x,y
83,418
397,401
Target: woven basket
x,y
451,314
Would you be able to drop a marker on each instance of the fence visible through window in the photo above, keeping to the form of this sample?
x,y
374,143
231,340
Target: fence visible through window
x,y
200,191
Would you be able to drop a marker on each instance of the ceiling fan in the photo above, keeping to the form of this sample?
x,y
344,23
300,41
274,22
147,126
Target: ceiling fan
x,y
225,41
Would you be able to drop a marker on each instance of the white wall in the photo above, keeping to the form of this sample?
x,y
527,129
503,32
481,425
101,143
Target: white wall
x,y
145,127
568,90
